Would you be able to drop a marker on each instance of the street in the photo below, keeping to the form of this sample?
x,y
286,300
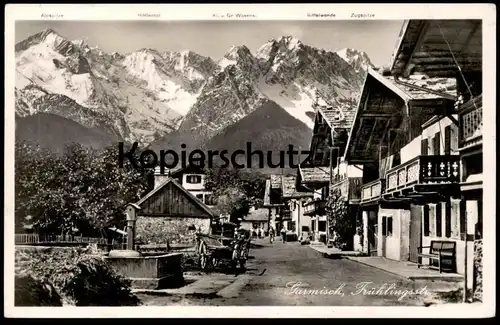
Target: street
x,y
290,274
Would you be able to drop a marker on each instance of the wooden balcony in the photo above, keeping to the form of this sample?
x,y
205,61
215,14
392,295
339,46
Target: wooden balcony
x,y
349,188
371,192
471,122
421,176
315,208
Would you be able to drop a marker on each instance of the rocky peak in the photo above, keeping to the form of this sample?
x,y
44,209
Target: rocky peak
x,y
359,60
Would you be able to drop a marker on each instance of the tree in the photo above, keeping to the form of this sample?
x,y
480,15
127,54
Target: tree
x,y
339,223
84,191
236,191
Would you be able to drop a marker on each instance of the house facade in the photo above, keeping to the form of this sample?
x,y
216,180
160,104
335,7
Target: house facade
x,y
168,213
414,144
255,220
284,202
327,171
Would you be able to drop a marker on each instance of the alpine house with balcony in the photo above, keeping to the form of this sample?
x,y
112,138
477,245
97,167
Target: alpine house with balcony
x,y
284,200
408,135
326,170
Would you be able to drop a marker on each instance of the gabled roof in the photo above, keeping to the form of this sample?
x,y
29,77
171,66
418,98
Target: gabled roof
x,y
190,196
290,188
435,46
314,174
341,118
276,181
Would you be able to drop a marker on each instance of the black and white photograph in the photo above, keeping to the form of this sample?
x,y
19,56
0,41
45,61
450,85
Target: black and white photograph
x,y
227,161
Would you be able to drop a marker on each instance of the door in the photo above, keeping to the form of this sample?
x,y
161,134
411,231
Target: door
x,y
415,232
372,233
384,236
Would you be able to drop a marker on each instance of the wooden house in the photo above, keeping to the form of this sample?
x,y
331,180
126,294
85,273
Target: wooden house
x,y
407,135
453,48
330,135
168,213
285,199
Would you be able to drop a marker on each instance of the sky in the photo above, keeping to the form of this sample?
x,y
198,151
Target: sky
x,y
214,38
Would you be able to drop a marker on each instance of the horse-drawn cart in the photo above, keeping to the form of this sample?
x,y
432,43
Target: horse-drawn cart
x,y
211,250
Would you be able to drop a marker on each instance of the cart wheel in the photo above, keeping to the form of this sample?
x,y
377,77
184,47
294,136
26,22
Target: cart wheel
x,y
215,262
203,256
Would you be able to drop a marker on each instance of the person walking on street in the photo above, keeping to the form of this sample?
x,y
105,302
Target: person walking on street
x,y
271,235
283,234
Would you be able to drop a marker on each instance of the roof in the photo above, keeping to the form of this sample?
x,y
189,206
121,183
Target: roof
x,y
434,47
290,189
374,118
314,174
276,181
193,198
341,117
257,215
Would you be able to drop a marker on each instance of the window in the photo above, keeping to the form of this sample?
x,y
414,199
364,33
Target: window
x,y
447,140
425,147
313,228
255,225
384,226
305,228
436,143
210,199
322,226
193,179
447,220
199,197
389,226
426,220
439,221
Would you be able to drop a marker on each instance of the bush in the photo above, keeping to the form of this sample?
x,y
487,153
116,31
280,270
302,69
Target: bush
x,y
80,277
30,292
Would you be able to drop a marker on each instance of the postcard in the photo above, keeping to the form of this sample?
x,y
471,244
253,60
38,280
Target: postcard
x,y
251,160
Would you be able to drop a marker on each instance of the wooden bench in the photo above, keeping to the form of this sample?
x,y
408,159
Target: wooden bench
x,y
439,251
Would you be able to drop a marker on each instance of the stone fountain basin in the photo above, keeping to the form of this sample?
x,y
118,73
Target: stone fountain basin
x,y
148,272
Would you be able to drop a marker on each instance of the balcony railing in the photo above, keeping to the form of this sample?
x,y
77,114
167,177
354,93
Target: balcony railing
x,y
471,121
349,188
438,169
372,191
315,208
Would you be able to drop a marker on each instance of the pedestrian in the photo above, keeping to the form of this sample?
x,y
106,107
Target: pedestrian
x,y
283,234
271,235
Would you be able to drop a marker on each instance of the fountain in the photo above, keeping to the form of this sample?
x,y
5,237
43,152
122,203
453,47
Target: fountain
x,y
145,272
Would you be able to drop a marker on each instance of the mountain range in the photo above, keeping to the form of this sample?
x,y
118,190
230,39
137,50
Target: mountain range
x,y
163,99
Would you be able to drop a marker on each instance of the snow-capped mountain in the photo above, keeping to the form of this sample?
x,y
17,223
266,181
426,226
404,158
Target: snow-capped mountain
x,y
140,96
359,60
148,96
284,71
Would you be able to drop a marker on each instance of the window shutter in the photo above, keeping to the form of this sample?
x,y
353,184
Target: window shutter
x,y
436,144
447,220
447,140
425,146
439,220
426,220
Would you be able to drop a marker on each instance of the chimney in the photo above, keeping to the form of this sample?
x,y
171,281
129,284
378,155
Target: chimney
x,y
160,178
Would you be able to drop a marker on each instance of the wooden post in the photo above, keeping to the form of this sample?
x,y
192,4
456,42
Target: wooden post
x,y
131,219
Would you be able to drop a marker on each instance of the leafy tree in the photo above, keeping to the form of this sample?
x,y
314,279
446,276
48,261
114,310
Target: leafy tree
x,y
83,191
236,191
339,223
